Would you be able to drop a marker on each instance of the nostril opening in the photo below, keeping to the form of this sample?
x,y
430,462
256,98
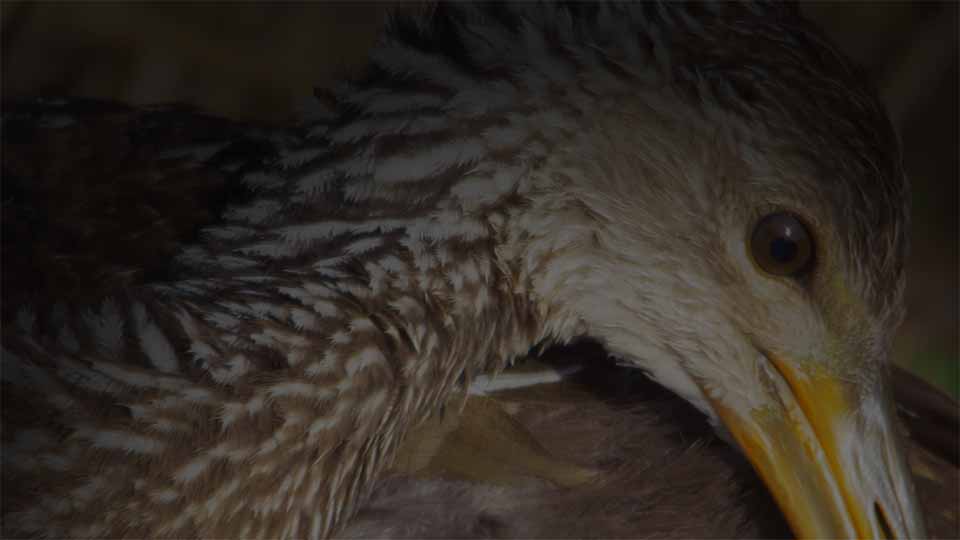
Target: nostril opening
x,y
885,528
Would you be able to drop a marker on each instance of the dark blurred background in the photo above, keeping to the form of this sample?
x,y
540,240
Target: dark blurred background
x,y
259,62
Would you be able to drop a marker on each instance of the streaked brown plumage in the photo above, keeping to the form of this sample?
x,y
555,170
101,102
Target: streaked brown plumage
x,y
503,177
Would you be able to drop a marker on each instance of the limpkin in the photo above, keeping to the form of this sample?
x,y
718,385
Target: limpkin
x,y
709,191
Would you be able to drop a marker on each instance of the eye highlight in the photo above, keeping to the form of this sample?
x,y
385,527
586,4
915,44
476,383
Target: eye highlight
x,y
781,245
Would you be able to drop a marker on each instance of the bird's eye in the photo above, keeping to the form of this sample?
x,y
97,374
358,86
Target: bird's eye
x,y
781,245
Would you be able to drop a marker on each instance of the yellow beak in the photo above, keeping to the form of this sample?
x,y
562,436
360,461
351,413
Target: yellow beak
x,y
830,456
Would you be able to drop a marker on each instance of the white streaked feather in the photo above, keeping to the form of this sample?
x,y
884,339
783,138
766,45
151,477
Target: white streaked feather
x,y
303,319
401,59
236,367
300,156
317,181
192,470
154,343
300,389
231,411
485,189
326,308
363,245
164,495
445,225
488,384
325,366
273,250
369,356
434,159
377,126
391,263
121,440
256,212
328,229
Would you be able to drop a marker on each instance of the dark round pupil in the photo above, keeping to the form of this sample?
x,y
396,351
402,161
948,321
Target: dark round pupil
x,y
783,250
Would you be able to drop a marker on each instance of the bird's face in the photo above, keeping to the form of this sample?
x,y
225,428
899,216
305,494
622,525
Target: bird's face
x,y
730,276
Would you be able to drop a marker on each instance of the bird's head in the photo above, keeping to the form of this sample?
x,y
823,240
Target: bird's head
x,y
747,251
713,193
